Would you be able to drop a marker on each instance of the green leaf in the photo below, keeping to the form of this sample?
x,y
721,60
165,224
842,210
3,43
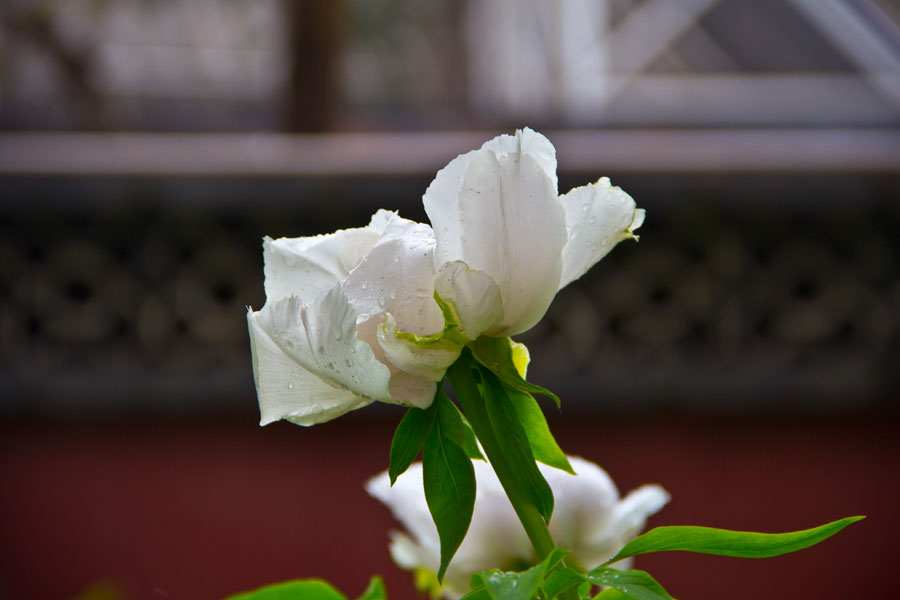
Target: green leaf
x,y
509,585
449,481
375,590
514,586
744,544
470,443
610,594
408,439
497,355
560,580
308,589
633,584
450,419
543,444
507,427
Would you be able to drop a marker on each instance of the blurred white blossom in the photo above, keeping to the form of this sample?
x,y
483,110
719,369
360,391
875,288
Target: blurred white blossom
x,y
589,518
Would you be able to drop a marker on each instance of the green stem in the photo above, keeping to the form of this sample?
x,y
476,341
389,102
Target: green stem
x,y
472,405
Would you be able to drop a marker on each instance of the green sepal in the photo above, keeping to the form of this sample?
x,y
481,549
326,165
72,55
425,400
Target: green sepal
x,y
409,438
375,590
308,589
450,338
636,584
449,481
723,542
496,353
507,427
543,444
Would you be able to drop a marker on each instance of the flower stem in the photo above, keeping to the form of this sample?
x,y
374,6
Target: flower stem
x,y
469,397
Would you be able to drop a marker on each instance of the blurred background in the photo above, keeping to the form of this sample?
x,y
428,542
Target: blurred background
x,y
745,354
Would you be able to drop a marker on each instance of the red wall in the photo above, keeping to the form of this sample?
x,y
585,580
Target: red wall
x,y
202,510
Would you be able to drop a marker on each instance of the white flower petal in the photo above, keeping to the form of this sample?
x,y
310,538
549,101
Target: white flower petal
x,y
288,391
530,142
405,389
322,337
410,357
632,511
501,216
588,502
411,390
472,295
598,216
305,267
397,276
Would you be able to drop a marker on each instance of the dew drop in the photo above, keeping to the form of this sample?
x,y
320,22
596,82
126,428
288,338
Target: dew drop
x,y
593,245
604,241
330,366
397,259
393,294
349,363
364,284
381,301
321,349
593,220
290,385
585,207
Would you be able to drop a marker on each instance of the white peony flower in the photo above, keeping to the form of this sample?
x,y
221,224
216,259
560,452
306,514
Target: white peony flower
x,y
315,347
589,519
507,242
350,317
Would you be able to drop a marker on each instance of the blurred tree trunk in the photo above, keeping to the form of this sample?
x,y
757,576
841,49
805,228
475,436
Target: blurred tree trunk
x,y
316,36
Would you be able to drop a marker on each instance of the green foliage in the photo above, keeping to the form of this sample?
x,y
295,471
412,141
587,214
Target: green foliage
x,y
310,589
305,589
449,480
509,585
508,427
744,544
543,444
408,440
496,354
375,590
632,584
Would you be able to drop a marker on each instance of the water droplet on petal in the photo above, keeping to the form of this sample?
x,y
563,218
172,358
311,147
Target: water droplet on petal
x,y
585,207
321,349
593,220
364,284
349,363
604,241
290,385
393,294
397,259
381,301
